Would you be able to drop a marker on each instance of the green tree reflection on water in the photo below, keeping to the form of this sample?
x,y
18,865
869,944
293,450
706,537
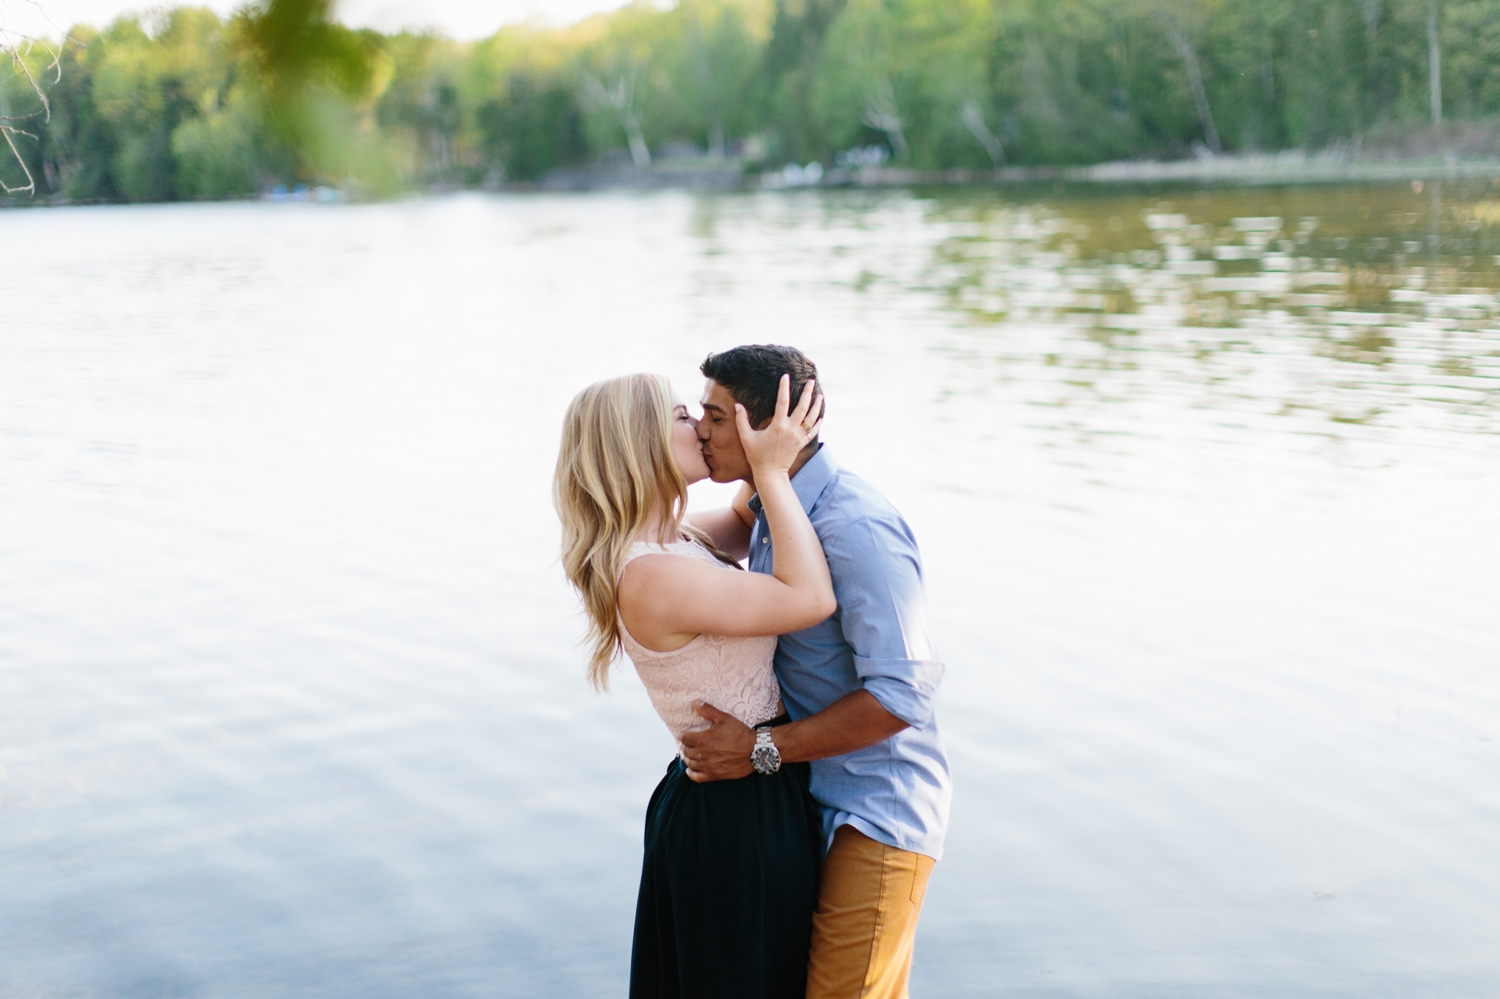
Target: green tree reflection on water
x,y
1358,305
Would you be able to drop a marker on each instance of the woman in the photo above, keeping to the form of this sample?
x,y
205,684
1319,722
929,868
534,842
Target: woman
x,y
729,881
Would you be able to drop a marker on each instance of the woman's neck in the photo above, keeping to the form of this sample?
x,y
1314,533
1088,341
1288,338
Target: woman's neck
x,y
658,530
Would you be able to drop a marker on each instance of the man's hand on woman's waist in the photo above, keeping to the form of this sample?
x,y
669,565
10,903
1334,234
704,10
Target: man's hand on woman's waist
x,y
722,751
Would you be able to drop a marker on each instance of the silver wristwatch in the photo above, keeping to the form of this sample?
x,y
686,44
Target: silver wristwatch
x,y
765,757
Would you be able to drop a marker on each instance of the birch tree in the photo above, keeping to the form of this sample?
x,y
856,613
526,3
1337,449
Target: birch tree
x,y
716,66
618,98
914,71
973,119
1434,64
1183,20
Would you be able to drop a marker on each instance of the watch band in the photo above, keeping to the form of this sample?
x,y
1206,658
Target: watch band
x,y
765,757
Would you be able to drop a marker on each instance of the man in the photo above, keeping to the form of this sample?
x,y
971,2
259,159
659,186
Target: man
x,y
859,687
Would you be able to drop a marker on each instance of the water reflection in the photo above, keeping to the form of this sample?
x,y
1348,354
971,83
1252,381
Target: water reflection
x,y
1333,318
290,698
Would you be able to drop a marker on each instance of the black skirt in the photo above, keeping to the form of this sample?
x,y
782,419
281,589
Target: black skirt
x,y
728,888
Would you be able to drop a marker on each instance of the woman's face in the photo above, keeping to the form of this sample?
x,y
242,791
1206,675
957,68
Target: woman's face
x,y
685,448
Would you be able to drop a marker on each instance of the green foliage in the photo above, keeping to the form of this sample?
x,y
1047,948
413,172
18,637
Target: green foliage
x,y
295,44
1082,82
421,105
531,127
218,154
905,70
711,69
182,104
791,66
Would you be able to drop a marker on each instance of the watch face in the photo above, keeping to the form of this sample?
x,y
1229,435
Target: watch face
x,y
765,759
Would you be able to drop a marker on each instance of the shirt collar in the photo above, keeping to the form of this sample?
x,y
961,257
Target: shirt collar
x,y
809,482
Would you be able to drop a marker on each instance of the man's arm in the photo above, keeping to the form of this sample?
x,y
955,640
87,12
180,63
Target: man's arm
x,y
877,579
729,526
722,751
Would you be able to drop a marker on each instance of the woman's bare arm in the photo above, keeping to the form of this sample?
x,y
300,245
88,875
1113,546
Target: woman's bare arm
x,y
667,600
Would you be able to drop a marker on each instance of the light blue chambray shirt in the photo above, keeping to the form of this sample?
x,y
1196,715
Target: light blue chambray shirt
x,y
896,791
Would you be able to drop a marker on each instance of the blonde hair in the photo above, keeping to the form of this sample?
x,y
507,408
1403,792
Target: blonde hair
x,y
615,471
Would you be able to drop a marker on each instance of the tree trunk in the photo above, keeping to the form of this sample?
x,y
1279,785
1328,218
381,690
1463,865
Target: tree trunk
x,y
1434,66
640,154
621,99
881,114
973,119
1195,83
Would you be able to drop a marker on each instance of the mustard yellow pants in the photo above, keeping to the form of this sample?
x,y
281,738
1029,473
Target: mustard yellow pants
x,y
869,898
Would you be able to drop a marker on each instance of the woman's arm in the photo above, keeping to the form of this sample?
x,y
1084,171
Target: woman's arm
x,y
729,526
667,600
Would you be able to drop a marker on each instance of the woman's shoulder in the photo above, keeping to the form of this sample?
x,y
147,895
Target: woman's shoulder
x,y
663,574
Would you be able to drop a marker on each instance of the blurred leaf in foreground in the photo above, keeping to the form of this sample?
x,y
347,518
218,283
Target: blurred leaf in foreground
x,y
320,81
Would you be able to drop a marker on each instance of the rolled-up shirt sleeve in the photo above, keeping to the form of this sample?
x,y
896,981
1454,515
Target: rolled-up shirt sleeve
x,y
877,578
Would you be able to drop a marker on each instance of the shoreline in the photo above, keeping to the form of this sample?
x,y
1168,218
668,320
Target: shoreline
x,y
1292,167
1256,170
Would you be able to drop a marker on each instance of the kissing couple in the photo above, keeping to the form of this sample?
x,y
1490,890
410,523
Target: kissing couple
x,y
789,845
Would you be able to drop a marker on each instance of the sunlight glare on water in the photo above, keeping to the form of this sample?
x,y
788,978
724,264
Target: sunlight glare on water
x,y
1206,482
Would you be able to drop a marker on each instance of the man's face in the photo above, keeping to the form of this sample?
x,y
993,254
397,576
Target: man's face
x,y
720,437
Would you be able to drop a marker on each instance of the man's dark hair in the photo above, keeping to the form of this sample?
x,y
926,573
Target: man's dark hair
x,y
752,374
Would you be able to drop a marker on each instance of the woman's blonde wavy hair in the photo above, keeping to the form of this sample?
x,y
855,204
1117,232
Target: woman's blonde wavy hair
x,y
614,472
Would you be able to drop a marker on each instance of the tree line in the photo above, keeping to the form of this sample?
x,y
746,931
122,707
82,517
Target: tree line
x,y
182,104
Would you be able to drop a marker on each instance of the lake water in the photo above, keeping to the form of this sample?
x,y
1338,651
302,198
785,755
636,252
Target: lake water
x,y
1208,485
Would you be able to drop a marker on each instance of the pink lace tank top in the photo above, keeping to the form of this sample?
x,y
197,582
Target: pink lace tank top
x,y
732,674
